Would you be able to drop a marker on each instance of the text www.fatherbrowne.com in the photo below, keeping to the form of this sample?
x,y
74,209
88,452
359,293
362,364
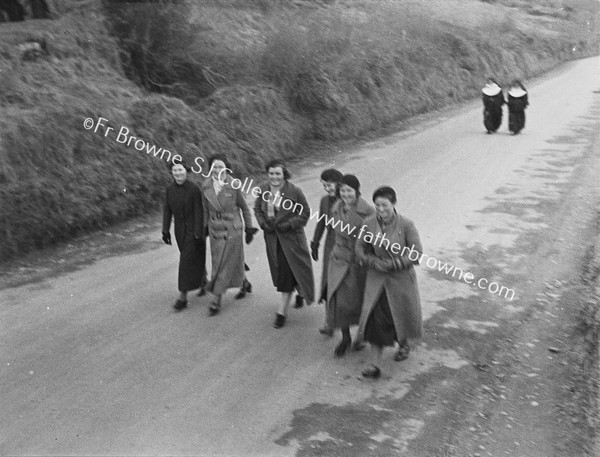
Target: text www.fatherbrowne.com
x,y
431,262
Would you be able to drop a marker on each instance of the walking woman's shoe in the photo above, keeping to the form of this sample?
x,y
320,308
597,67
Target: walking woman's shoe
x,y
325,330
245,289
180,305
299,302
402,352
372,372
202,292
213,309
341,348
279,320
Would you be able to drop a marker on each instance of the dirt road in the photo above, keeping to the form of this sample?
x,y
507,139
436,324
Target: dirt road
x,y
95,362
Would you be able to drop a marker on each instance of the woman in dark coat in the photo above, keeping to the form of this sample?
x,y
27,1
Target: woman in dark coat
x,y
330,179
517,102
345,276
183,204
282,212
493,99
222,207
391,309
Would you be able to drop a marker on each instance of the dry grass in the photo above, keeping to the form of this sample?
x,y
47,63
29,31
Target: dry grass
x,y
279,73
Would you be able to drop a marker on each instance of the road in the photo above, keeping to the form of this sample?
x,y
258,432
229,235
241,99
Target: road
x,y
95,361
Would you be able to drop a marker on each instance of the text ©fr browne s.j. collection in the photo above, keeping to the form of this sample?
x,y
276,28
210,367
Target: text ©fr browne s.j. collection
x,y
123,136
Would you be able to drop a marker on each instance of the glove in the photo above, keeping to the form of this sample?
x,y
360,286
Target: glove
x,y
250,231
383,266
199,244
284,226
314,251
166,237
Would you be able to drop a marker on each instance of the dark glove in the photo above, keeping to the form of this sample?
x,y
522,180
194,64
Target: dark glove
x,y
199,243
314,251
166,237
383,266
284,226
250,232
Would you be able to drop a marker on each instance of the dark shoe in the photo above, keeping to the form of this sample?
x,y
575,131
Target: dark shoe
x,y
326,331
372,372
180,305
279,320
358,346
402,353
341,348
245,289
299,302
213,309
202,292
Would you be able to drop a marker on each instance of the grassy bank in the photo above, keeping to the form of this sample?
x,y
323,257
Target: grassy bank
x,y
252,79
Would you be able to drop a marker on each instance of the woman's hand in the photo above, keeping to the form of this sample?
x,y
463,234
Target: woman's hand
x,y
166,236
250,232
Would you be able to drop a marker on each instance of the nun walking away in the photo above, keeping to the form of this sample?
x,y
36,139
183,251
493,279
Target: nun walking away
x,y
517,102
183,205
222,208
391,309
345,276
330,179
282,212
493,99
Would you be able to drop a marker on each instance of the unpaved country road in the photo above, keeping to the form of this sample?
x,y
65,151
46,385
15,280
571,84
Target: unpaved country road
x,y
95,362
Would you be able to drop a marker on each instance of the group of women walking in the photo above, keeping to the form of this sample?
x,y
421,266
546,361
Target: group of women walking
x,y
364,284
493,100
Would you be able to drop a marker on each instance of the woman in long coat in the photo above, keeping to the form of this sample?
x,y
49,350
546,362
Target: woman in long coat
x,y
183,204
517,102
345,276
282,212
493,99
391,310
330,179
222,207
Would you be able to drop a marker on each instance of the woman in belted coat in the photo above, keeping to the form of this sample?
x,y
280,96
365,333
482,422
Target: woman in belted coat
x,y
330,179
282,212
345,276
391,309
183,204
222,207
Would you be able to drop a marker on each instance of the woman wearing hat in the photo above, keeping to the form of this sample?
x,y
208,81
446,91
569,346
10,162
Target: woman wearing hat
x,y
183,204
222,207
391,308
282,212
345,276
493,99
517,102
330,179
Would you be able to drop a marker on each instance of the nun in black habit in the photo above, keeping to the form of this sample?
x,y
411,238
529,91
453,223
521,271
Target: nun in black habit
x,y
517,102
493,99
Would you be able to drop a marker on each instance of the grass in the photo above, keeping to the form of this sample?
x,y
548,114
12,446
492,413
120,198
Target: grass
x,y
253,79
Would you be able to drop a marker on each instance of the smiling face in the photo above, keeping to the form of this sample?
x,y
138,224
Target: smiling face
x,y
275,176
179,173
330,187
217,169
348,194
385,208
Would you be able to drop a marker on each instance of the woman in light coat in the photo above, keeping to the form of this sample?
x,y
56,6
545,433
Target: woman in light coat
x,y
282,212
222,208
345,276
389,246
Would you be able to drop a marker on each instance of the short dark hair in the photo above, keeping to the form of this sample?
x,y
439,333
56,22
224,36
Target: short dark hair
x,y
385,192
278,163
183,163
218,156
331,175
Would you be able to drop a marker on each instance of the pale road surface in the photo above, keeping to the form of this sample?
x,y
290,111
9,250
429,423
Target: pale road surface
x,y
95,362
